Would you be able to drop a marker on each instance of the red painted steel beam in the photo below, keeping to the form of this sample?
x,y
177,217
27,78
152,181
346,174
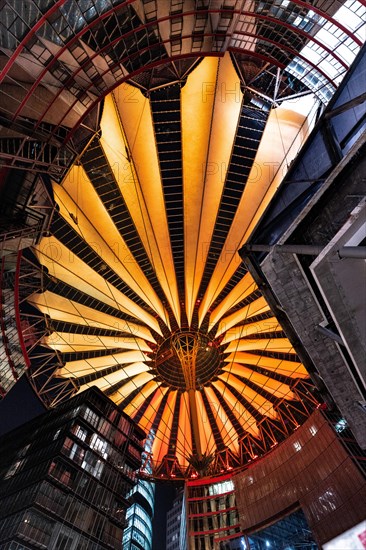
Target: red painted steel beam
x,y
258,55
253,14
151,66
213,531
28,36
172,17
320,12
64,48
127,77
262,57
294,52
228,537
296,31
215,513
209,481
169,58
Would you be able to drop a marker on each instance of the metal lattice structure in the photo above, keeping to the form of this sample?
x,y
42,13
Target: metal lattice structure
x,y
182,118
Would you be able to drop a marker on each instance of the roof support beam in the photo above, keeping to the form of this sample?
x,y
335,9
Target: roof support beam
x,y
356,252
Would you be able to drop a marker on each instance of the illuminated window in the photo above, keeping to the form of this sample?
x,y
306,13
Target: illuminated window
x,y
91,417
313,430
14,468
93,465
80,432
341,425
220,488
100,445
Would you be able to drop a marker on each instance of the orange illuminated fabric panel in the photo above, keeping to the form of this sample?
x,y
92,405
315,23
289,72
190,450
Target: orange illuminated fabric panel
x,y
143,292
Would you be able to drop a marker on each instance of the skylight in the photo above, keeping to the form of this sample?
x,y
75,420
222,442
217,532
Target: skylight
x,y
338,51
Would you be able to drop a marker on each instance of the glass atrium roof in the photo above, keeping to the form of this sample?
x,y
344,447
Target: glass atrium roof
x,y
205,105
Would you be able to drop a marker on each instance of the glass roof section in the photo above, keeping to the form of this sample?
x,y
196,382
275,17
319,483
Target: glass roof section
x,y
332,49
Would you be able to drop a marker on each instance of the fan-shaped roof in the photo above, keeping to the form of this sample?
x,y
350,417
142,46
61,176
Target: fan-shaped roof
x,y
143,292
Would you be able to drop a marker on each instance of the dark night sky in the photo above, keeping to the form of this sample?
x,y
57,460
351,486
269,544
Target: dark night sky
x,y
19,405
164,495
22,404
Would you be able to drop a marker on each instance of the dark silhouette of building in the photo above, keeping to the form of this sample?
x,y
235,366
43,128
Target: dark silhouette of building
x,y
65,475
176,523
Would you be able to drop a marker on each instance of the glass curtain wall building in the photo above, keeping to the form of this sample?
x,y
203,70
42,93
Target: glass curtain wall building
x,y
303,494
65,477
213,518
138,534
176,523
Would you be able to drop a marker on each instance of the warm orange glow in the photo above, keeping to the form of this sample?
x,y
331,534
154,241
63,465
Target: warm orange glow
x,y
62,309
254,308
226,428
132,408
67,267
284,131
150,301
184,435
243,289
95,226
138,381
243,416
207,439
160,446
288,368
70,341
149,415
140,182
262,381
208,190
122,374
82,367
197,111
262,405
266,325
282,345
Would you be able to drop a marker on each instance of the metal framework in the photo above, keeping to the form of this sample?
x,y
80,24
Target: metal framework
x,y
276,26
136,285
186,346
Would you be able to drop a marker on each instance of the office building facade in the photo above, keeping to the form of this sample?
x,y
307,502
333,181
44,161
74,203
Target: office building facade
x,y
176,523
65,477
138,534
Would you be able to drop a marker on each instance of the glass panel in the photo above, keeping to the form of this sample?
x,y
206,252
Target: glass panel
x,y
288,533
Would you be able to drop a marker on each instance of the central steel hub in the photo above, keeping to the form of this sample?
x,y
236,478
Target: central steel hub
x,y
186,346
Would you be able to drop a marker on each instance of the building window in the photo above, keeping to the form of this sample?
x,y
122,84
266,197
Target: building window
x,y
90,416
61,473
100,445
80,432
14,468
36,527
93,465
63,542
